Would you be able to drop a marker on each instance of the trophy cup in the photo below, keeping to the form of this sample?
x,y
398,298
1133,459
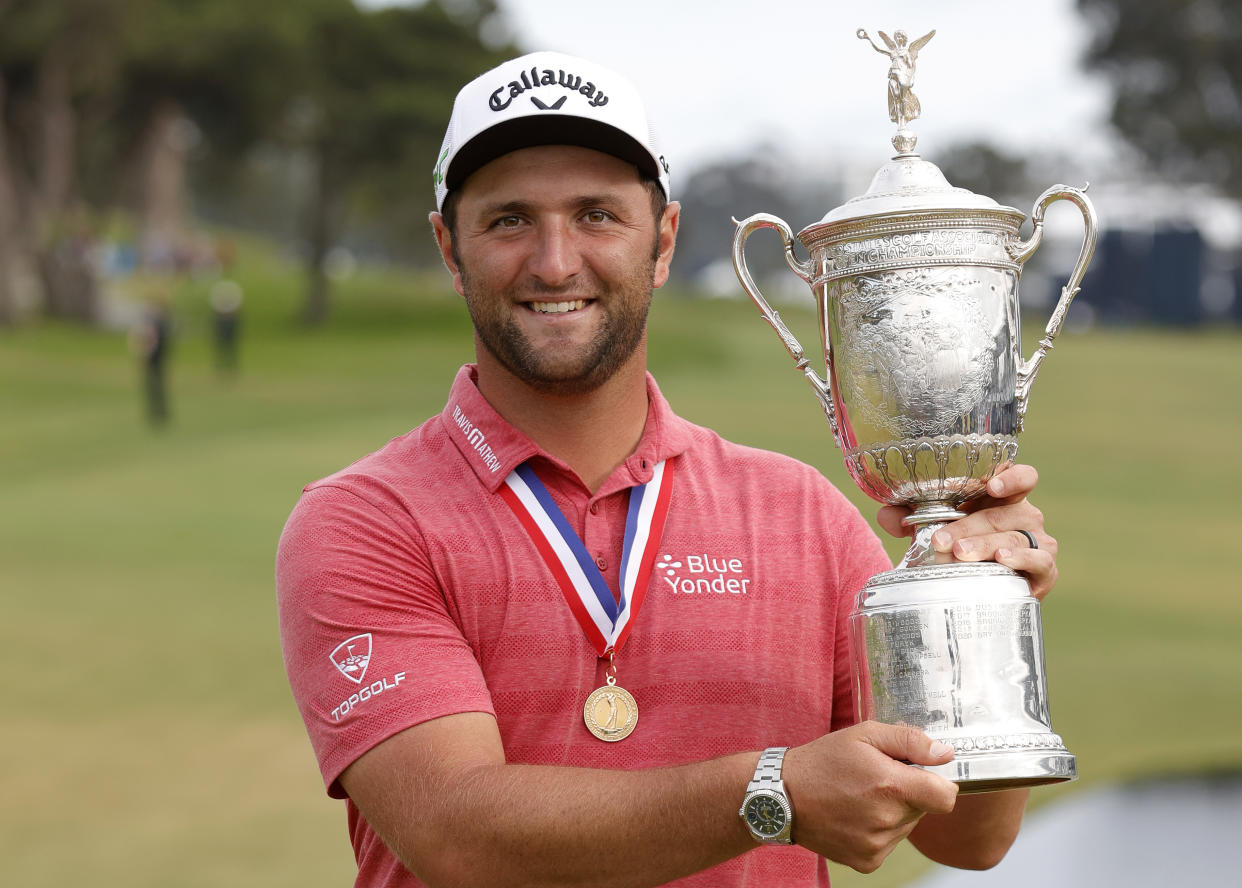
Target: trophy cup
x,y
916,288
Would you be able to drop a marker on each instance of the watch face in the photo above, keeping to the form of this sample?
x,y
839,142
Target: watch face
x,y
766,815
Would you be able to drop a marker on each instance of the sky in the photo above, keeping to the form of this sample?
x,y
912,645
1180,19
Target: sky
x,y
725,77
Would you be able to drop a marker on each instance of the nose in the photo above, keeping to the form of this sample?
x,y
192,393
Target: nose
x,y
556,257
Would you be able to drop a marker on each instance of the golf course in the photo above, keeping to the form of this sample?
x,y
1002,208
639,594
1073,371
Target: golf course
x,y
149,735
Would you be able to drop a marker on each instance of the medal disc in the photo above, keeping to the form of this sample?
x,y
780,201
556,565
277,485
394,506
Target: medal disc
x,y
610,713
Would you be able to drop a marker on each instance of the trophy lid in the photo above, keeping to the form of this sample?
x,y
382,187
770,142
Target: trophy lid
x,y
907,183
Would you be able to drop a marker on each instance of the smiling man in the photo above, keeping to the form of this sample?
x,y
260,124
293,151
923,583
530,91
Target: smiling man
x,y
557,635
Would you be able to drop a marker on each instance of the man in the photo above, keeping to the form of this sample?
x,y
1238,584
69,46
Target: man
x,y
473,616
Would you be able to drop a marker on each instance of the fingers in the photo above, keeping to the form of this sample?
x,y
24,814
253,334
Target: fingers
x,y
1039,565
1007,547
928,793
1015,481
977,536
906,744
922,791
985,546
1008,486
990,531
857,797
889,519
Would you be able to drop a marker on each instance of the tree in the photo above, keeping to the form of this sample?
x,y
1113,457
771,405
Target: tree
x,y
735,188
54,67
97,98
375,106
224,68
1177,78
988,170
94,96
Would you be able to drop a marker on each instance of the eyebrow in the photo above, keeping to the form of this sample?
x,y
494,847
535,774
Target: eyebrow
x,y
509,206
604,199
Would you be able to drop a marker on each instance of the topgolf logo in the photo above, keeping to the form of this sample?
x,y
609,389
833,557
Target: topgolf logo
x,y
352,656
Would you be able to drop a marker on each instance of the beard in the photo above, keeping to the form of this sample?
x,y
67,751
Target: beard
x,y
576,368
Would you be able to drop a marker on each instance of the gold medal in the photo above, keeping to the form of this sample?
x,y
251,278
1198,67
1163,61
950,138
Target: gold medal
x,y
610,712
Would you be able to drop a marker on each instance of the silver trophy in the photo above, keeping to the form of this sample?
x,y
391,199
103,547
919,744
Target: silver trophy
x,y
916,288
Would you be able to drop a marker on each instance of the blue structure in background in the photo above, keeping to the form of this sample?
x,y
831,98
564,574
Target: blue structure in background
x,y
1150,277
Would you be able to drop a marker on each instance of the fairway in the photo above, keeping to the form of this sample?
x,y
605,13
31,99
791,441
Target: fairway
x,y
150,737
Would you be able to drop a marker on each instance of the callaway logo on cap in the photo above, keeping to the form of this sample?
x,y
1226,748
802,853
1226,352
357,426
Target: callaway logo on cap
x,y
546,98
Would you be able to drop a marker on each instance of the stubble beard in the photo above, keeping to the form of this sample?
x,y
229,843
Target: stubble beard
x,y
585,369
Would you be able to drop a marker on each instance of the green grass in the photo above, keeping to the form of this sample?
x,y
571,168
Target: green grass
x,y
149,735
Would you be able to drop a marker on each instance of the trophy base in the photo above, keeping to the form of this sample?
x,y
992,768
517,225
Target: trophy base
x,y
956,650
1007,770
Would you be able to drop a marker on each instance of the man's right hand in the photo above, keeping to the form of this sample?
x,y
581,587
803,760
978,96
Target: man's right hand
x,y
854,795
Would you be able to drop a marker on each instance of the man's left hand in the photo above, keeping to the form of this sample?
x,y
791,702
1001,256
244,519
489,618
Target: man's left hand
x,y
990,531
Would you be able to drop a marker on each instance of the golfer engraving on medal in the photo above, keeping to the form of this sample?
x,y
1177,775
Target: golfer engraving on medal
x,y
916,288
610,713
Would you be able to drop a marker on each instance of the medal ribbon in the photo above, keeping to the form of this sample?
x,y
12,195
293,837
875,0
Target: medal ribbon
x,y
605,620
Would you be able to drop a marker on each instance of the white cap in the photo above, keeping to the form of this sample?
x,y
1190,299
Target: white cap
x,y
546,98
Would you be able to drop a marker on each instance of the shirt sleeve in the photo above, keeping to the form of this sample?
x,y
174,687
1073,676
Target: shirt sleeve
x,y
369,641
863,557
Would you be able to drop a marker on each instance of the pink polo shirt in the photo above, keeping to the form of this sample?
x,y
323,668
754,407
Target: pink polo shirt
x,y
408,590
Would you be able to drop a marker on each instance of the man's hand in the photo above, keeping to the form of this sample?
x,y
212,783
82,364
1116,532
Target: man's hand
x,y
855,798
990,531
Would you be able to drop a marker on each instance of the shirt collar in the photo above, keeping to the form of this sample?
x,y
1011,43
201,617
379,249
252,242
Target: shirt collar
x,y
493,448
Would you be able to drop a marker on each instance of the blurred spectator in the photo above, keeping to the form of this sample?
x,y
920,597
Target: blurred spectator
x,y
151,341
226,299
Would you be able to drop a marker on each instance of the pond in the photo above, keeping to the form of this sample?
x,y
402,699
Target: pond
x,y
1184,832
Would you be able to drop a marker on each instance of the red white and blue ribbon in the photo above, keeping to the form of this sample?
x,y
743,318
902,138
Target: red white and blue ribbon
x,y
605,619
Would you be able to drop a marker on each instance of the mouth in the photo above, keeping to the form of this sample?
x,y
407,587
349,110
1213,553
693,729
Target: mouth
x,y
557,307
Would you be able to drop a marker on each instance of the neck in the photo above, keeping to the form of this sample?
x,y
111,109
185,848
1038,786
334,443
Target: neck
x,y
592,432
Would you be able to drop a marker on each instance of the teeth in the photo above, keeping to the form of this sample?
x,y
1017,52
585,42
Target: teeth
x,y
558,307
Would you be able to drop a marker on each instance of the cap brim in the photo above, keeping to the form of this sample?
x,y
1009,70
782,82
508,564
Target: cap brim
x,y
543,129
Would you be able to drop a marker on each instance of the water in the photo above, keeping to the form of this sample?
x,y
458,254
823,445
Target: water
x,y
1181,833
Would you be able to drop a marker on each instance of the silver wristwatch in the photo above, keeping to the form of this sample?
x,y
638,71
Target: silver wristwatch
x,y
766,810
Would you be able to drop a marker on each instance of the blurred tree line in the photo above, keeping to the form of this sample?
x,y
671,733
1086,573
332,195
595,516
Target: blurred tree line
x,y
1176,72
103,102
250,114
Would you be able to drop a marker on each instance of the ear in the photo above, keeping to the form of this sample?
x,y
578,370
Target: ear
x,y
667,241
444,240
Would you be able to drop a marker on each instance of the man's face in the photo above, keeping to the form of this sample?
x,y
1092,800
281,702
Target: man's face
x,y
556,253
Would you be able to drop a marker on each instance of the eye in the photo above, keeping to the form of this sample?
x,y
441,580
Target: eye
x,y
507,222
597,217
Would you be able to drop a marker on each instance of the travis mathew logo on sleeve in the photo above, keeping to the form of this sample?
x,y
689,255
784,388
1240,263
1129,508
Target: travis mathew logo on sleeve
x,y
476,439
534,78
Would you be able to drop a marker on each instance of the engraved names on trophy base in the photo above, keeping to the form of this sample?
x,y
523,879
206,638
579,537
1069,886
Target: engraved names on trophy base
x,y
921,662
926,667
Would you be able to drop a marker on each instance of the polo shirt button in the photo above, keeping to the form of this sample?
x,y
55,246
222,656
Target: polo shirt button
x,y
594,508
601,562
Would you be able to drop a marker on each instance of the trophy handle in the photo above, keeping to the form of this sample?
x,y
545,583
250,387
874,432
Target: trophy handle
x,y
804,270
1024,250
